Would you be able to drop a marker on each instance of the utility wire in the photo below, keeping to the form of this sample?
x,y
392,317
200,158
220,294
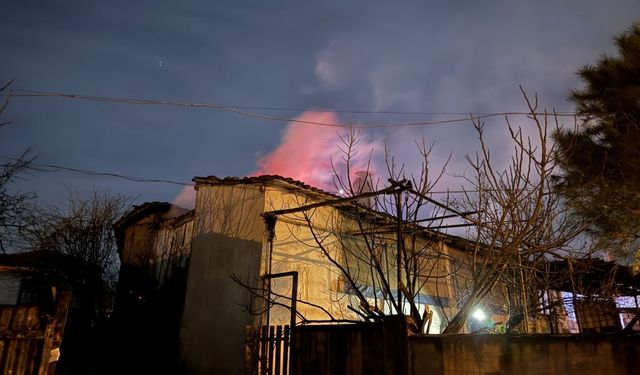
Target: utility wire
x,y
42,167
242,110
52,168
28,93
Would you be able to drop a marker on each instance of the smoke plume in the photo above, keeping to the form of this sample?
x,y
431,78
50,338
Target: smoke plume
x,y
186,198
306,152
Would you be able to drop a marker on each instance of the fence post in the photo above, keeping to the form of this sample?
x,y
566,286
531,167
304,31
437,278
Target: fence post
x,y
251,351
395,345
54,331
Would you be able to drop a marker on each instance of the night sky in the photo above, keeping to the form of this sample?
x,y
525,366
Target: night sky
x,y
422,56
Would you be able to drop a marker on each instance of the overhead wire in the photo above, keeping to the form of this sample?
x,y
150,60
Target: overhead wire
x,y
43,167
52,168
243,110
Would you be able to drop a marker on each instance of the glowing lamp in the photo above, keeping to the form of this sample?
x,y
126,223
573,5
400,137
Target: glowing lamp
x,y
478,315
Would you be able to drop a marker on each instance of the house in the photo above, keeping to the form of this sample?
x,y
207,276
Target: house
x,y
154,241
200,275
154,244
35,299
226,235
27,278
601,297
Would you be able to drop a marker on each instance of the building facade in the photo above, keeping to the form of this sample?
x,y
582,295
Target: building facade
x,y
345,256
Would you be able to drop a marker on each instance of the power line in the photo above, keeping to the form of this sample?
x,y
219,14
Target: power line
x,y
52,168
42,167
28,93
243,110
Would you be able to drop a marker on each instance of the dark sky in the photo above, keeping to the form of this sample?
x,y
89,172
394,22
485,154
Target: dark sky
x,y
428,56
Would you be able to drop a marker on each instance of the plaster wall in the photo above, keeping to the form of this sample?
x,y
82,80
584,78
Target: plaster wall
x,y
227,239
215,312
322,283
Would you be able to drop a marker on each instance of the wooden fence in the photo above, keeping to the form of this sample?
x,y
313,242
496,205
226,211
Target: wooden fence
x,y
378,348
30,339
267,350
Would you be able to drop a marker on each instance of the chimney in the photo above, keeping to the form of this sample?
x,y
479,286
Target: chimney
x,y
363,184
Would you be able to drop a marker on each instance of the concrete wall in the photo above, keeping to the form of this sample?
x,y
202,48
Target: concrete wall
x,y
227,239
530,354
385,348
214,317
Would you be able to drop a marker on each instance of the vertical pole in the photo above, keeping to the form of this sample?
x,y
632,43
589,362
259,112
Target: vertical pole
x,y
54,331
574,297
270,222
292,324
294,300
399,246
523,296
268,282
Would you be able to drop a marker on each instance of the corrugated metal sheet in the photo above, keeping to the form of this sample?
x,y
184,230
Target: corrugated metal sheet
x,y
21,339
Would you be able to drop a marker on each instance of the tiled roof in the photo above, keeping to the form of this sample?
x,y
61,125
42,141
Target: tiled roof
x,y
140,211
262,179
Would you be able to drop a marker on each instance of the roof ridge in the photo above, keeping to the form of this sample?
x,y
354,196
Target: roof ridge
x,y
232,180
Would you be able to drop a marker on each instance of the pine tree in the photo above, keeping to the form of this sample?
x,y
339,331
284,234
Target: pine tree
x,y
600,159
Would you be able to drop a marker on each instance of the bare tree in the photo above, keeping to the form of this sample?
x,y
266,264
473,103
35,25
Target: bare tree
x,y
16,207
4,91
519,220
84,231
377,242
386,247
16,214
